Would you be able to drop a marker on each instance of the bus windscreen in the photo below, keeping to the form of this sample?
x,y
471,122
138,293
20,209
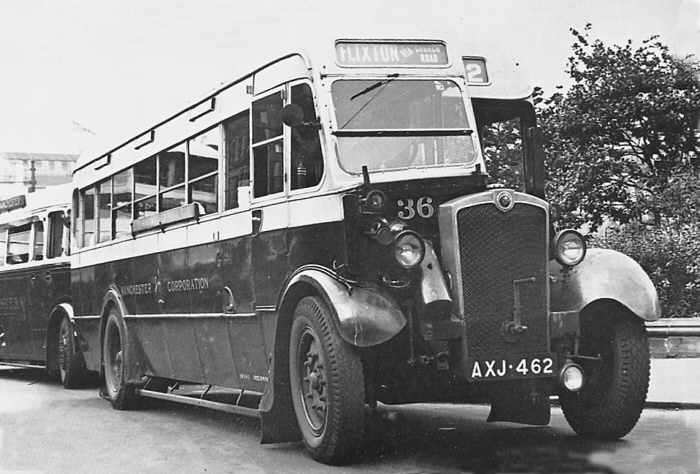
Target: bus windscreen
x,y
393,124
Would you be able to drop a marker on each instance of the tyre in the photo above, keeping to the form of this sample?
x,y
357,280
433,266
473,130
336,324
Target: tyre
x,y
121,395
327,385
71,364
612,398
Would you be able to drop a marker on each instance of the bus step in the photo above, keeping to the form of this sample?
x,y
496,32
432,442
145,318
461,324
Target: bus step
x,y
199,402
27,365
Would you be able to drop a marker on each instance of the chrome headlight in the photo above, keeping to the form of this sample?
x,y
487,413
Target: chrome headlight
x,y
409,249
569,247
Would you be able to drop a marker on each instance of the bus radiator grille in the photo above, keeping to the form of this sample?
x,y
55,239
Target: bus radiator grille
x,y
497,248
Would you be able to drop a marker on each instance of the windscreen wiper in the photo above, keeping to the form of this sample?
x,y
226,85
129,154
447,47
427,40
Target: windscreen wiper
x,y
375,85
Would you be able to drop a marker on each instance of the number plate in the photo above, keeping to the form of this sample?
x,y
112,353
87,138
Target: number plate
x,y
523,367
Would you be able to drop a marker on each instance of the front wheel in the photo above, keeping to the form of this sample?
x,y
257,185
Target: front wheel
x,y
121,395
327,384
612,398
71,365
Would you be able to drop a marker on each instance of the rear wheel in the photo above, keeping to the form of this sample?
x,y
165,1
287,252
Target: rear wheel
x,y
71,365
612,398
121,394
327,384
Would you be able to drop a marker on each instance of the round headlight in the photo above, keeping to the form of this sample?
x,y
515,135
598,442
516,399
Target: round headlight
x,y
569,247
409,249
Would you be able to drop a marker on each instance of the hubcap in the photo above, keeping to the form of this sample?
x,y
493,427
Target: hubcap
x,y
313,380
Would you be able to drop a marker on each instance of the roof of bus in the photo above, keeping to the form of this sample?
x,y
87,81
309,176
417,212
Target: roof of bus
x,y
507,80
44,199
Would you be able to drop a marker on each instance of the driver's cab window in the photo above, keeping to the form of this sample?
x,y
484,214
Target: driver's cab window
x,y
501,130
307,159
268,145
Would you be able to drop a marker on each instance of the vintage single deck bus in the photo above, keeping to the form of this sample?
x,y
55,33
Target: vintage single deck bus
x,y
320,235
36,328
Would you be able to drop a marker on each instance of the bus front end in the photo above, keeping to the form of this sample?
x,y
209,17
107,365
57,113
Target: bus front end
x,y
471,277
495,247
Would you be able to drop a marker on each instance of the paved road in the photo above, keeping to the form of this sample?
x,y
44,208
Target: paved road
x,y
44,428
675,381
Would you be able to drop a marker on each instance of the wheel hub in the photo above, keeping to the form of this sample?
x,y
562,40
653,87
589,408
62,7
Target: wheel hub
x,y
313,382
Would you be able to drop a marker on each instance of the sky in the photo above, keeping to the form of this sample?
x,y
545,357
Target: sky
x,y
114,67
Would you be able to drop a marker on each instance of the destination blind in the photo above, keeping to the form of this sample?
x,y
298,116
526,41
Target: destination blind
x,y
371,53
12,203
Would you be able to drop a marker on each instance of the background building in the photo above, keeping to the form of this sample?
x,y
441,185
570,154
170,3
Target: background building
x,y
22,172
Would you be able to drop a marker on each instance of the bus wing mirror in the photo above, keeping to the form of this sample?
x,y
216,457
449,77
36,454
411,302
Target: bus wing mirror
x,y
292,115
534,163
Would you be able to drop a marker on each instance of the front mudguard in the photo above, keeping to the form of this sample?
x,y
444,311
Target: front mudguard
x,y
364,315
603,275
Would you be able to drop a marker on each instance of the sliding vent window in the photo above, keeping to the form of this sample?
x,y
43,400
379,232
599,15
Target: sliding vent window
x,y
145,188
268,172
172,178
237,139
122,194
203,167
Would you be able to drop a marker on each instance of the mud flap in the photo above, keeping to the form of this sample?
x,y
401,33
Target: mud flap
x,y
520,404
278,424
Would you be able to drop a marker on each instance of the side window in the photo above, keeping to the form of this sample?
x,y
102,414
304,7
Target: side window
x,y
77,223
268,171
503,152
38,240
307,160
3,246
500,133
237,142
122,185
104,210
58,232
145,188
171,173
89,221
18,244
202,168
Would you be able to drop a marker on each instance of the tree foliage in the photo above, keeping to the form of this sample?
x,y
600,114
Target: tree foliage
x,y
622,149
503,153
621,141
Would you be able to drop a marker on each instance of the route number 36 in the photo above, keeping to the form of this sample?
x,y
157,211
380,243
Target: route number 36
x,y
409,208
